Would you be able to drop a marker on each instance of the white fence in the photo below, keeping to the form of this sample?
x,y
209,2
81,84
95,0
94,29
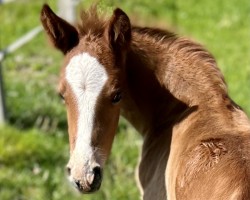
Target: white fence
x,y
66,10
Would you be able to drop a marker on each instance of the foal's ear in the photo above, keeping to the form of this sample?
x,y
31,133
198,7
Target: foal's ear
x,y
119,30
63,35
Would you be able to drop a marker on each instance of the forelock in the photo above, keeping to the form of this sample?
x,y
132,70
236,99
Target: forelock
x,y
92,22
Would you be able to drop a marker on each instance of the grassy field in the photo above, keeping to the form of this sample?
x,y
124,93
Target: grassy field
x,y
34,144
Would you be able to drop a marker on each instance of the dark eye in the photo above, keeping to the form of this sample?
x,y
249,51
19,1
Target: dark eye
x,y
117,97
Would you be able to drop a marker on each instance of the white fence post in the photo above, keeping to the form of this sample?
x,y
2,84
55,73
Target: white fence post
x,y
67,10
10,49
2,100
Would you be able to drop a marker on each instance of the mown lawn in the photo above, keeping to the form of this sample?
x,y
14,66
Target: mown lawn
x,y
34,144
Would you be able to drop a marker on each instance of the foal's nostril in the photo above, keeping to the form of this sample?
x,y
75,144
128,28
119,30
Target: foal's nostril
x,y
68,170
94,177
97,172
78,184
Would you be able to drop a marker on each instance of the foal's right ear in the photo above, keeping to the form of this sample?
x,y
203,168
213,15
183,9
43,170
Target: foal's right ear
x,y
63,35
119,30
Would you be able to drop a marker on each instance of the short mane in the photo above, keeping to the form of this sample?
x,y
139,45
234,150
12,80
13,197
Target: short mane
x,y
187,66
91,22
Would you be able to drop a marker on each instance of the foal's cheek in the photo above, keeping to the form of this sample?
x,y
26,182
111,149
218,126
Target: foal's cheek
x,y
111,128
72,140
72,131
71,136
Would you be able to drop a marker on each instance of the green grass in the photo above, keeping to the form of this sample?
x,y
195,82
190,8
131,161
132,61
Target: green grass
x,y
32,166
34,145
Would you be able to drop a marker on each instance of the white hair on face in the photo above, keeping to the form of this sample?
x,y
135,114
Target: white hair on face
x,y
86,77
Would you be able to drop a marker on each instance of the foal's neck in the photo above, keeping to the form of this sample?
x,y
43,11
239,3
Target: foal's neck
x,y
147,104
166,75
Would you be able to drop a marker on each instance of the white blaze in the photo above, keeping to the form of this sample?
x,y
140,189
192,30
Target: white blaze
x,y
86,76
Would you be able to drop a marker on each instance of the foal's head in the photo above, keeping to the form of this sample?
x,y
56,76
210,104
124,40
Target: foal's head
x,y
91,83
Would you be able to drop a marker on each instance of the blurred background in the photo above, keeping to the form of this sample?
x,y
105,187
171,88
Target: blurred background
x,y
34,140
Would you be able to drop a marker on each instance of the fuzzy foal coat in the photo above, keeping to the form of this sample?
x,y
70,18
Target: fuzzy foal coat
x,y
196,139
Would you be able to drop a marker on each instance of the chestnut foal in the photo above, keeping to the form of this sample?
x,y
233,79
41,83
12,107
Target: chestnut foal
x,y
196,140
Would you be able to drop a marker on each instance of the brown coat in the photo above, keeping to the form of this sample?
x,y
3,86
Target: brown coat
x,y
196,140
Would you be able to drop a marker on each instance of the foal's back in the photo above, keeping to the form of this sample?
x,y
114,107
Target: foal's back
x,y
211,158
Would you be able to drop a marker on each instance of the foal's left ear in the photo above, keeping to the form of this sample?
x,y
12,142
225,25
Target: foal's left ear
x,y
63,35
119,30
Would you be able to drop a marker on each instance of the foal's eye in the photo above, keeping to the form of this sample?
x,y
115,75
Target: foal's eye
x,y
117,97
